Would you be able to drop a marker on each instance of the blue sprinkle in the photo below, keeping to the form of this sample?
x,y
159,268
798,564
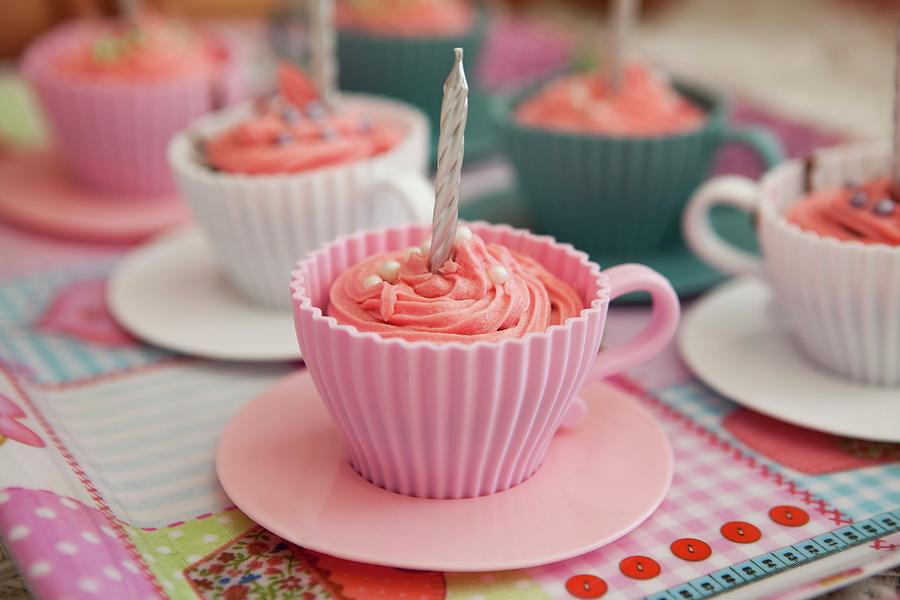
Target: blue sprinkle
x,y
284,138
249,577
884,207
858,199
290,114
225,580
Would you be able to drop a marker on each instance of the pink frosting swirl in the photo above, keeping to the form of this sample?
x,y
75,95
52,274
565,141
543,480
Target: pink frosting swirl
x,y
863,213
408,18
644,105
485,292
294,132
154,49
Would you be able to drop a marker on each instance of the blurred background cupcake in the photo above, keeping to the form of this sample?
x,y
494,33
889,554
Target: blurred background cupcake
x,y
609,170
400,49
115,91
269,181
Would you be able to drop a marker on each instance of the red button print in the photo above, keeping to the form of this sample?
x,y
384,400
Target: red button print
x,y
586,586
691,549
741,532
789,516
639,567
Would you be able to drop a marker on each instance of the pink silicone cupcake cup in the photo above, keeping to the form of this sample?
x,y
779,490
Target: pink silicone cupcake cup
x,y
454,420
112,136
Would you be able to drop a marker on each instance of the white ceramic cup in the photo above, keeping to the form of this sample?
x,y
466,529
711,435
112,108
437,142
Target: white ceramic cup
x,y
838,300
261,225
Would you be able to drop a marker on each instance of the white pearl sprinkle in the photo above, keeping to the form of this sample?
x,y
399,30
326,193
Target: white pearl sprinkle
x,y
426,247
498,274
463,234
389,271
580,95
371,281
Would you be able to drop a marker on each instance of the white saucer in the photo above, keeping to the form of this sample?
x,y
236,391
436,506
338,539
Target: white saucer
x,y
172,294
730,343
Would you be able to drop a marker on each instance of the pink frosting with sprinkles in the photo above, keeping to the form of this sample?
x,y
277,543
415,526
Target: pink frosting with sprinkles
x,y
154,49
408,18
294,132
484,292
863,213
644,105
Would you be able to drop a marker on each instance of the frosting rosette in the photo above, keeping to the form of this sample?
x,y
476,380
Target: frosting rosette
x,y
484,292
644,105
153,49
863,213
411,18
294,132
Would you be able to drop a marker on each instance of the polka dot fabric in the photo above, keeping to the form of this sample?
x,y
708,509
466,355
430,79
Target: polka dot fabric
x,y
65,549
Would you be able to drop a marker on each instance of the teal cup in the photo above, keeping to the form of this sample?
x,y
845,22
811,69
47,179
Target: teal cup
x,y
413,69
616,196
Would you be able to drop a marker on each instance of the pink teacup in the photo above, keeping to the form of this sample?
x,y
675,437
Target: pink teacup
x,y
463,420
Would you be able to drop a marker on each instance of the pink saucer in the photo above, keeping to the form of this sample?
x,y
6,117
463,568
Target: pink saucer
x,y
280,460
37,194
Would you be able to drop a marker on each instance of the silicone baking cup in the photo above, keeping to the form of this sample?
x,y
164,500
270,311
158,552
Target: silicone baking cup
x,y
839,301
413,69
112,135
260,225
613,195
453,420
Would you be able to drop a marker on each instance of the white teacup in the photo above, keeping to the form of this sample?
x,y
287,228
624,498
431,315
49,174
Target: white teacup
x,y
839,300
260,225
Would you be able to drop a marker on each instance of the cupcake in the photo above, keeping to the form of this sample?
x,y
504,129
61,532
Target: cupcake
x,y
830,237
271,180
452,384
861,212
610,170
115,93
398,48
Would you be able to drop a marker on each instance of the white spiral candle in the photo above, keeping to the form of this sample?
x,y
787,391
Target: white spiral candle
x,y
624,13
322,49
454,111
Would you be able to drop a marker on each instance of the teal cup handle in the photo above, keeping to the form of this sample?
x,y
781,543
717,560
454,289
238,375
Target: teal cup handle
x,y
761,141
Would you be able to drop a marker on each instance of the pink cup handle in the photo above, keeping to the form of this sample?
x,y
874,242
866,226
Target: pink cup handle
x,y
625,279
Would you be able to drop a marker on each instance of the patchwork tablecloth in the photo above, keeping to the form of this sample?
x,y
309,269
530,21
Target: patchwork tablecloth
x,y
107,487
